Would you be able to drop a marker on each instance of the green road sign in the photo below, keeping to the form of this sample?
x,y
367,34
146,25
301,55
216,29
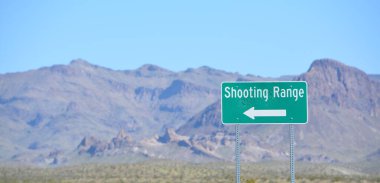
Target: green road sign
x,y
264,102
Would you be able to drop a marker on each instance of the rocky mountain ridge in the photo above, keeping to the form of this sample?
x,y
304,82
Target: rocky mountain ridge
x,y
55,114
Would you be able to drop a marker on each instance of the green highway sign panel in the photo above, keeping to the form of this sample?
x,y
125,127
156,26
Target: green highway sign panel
x,y
264,102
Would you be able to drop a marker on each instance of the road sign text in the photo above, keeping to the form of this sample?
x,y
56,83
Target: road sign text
x,y
253,92
264,102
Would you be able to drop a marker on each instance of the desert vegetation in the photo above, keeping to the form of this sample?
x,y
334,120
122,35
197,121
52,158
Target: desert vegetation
x,y
167,172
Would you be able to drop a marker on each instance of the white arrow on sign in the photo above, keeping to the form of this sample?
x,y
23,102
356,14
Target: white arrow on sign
x,y
252,113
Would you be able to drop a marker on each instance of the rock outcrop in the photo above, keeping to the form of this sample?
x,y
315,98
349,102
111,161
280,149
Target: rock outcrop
x,y
93,146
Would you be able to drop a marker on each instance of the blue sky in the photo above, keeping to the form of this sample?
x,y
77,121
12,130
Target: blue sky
x,y
270,38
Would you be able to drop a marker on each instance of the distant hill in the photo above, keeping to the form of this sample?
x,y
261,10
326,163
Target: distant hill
x,y
59,114
51,109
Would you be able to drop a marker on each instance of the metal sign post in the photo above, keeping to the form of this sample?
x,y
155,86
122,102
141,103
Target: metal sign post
x,y
237,153
291,135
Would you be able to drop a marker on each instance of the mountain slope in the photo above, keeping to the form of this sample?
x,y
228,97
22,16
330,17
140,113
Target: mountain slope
x,y
57,114
53,108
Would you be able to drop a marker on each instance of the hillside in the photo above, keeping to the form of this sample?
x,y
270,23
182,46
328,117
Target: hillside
x,y
67,113
51,109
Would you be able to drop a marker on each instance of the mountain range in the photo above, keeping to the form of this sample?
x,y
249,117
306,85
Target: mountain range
x,y
80,112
